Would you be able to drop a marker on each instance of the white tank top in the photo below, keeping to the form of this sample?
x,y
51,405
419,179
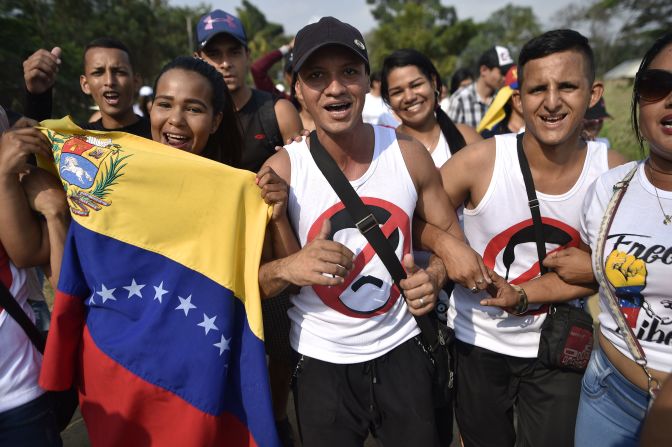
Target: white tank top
x,y
441,152
500,229
19,360
365,317
638,236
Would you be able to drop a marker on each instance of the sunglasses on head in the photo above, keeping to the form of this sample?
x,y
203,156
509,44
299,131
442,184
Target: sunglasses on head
x,y
653,84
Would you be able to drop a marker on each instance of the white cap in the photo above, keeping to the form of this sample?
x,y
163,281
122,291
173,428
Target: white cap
x,y
146,90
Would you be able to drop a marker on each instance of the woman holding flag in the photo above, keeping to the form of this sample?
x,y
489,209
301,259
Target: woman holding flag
x,y
156,320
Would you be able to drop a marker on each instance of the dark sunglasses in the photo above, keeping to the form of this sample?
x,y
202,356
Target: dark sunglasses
x,y
653,85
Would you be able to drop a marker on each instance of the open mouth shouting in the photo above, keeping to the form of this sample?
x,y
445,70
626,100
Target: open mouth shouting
x,y
111,98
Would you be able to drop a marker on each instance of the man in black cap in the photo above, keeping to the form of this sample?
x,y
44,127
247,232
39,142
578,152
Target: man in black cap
x,y
468,104
266,122
362,368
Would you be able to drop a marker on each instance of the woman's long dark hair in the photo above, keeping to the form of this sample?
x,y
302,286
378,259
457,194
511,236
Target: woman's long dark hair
x,y
650,55
406,57
226,144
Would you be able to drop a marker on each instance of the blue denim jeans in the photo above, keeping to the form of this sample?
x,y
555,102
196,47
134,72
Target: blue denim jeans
x,y
32,424
611,408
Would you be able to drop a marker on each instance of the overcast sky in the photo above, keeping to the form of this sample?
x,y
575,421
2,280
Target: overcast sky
x,y
295,14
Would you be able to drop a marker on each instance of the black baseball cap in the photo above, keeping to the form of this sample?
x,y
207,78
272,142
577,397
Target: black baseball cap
x,y
497,56
597,112
328,31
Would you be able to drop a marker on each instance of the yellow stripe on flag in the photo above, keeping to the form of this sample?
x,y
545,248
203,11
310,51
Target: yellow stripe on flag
x,y
167,201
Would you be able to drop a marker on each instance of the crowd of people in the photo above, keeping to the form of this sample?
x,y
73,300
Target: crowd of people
x,y
501,203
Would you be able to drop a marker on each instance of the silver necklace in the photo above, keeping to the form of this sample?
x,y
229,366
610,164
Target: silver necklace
x,y
668,217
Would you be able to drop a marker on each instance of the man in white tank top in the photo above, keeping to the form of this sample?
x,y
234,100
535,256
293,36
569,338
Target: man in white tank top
x,y
361,368
498,338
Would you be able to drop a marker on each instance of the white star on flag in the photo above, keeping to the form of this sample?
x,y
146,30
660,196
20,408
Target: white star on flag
x,y
223,345
185,305
106,294
134,289
208,323
159,292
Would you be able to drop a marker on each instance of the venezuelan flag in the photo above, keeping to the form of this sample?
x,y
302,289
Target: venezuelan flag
x,y
157,317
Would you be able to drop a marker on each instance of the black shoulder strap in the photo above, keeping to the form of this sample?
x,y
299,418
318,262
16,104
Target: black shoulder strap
x,y
269,122
12,307
533,203
367,225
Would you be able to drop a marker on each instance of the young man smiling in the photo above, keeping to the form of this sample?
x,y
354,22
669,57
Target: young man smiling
x,y
362,368
498,338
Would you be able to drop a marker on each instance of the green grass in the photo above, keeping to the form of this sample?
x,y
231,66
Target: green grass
x,y
617,97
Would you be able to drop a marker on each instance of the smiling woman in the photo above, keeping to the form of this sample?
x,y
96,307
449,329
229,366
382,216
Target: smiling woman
x,y
193,111
410,85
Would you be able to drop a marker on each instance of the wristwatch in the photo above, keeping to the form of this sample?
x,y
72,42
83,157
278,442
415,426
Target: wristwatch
x,y
521,307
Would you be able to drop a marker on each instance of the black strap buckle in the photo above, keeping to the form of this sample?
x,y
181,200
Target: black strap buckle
x,y
534,203
367,224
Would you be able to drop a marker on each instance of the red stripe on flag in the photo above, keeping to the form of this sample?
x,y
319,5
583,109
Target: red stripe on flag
x,y
122,409
62,351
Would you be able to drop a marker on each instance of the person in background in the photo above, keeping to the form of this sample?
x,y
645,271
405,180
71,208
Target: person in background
x,y
505,114
461,78
145,98
410,86
260,68
266,122
263,81
593,122
108,78
468,105
376,109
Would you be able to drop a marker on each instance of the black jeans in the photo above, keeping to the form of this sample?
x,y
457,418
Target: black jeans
x,y
391,397
490,384
32,424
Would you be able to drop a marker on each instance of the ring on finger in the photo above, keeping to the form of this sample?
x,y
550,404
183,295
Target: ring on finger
x,y
422,302
480,281
474,289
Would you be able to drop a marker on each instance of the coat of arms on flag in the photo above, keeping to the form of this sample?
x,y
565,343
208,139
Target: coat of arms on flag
x,y
89,166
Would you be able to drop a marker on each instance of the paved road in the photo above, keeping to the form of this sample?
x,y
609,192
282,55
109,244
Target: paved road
x,y
75,435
